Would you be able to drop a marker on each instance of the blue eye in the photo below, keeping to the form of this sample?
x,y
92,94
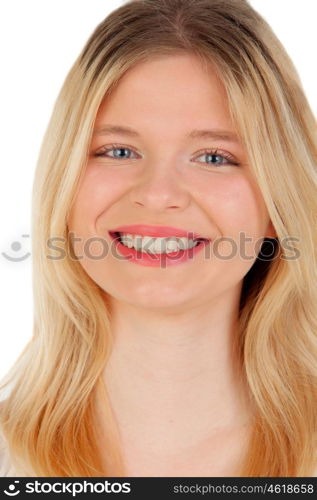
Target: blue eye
x,y
214,157
120,153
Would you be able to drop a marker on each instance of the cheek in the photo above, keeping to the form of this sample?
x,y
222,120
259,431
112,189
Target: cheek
x,y
96,195
236,207
233,202
98,191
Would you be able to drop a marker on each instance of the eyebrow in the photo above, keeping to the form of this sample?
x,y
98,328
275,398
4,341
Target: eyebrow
x,y
224,135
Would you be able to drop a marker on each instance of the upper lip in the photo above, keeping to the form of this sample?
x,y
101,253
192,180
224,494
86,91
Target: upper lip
x,y
157,231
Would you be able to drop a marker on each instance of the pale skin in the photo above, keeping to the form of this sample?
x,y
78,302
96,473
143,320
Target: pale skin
x,y
180,406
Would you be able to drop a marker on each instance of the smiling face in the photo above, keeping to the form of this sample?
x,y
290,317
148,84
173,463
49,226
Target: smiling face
x,y
162,173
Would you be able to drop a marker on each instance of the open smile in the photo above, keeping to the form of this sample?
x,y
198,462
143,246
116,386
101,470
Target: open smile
x,y
153,251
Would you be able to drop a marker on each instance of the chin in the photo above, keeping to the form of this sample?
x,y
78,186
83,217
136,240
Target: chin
x,y
160,298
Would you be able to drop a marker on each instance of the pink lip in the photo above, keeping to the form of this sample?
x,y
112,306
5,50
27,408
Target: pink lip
x,y
156,260
156,231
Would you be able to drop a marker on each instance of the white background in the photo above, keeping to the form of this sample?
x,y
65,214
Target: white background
x,y
39,42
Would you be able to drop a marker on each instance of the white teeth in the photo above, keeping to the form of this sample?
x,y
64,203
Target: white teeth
x,y
192,243
148,242
160,245
172,246
184,243
127,240
157,245
137,242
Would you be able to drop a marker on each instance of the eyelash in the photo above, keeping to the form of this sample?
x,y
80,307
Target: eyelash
x,y
213,152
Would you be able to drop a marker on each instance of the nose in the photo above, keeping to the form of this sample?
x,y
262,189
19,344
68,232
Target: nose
x,y
160,188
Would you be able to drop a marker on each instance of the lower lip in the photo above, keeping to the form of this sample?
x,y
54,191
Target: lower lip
x,y
157,260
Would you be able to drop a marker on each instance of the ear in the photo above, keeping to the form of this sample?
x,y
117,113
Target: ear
x,y
270,231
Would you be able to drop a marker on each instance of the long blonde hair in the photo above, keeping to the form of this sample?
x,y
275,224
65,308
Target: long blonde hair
x,y
49,417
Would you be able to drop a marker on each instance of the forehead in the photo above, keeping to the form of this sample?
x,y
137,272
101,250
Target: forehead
x,y
176,89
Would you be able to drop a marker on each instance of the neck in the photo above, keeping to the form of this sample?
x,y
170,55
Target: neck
x,y
172,372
